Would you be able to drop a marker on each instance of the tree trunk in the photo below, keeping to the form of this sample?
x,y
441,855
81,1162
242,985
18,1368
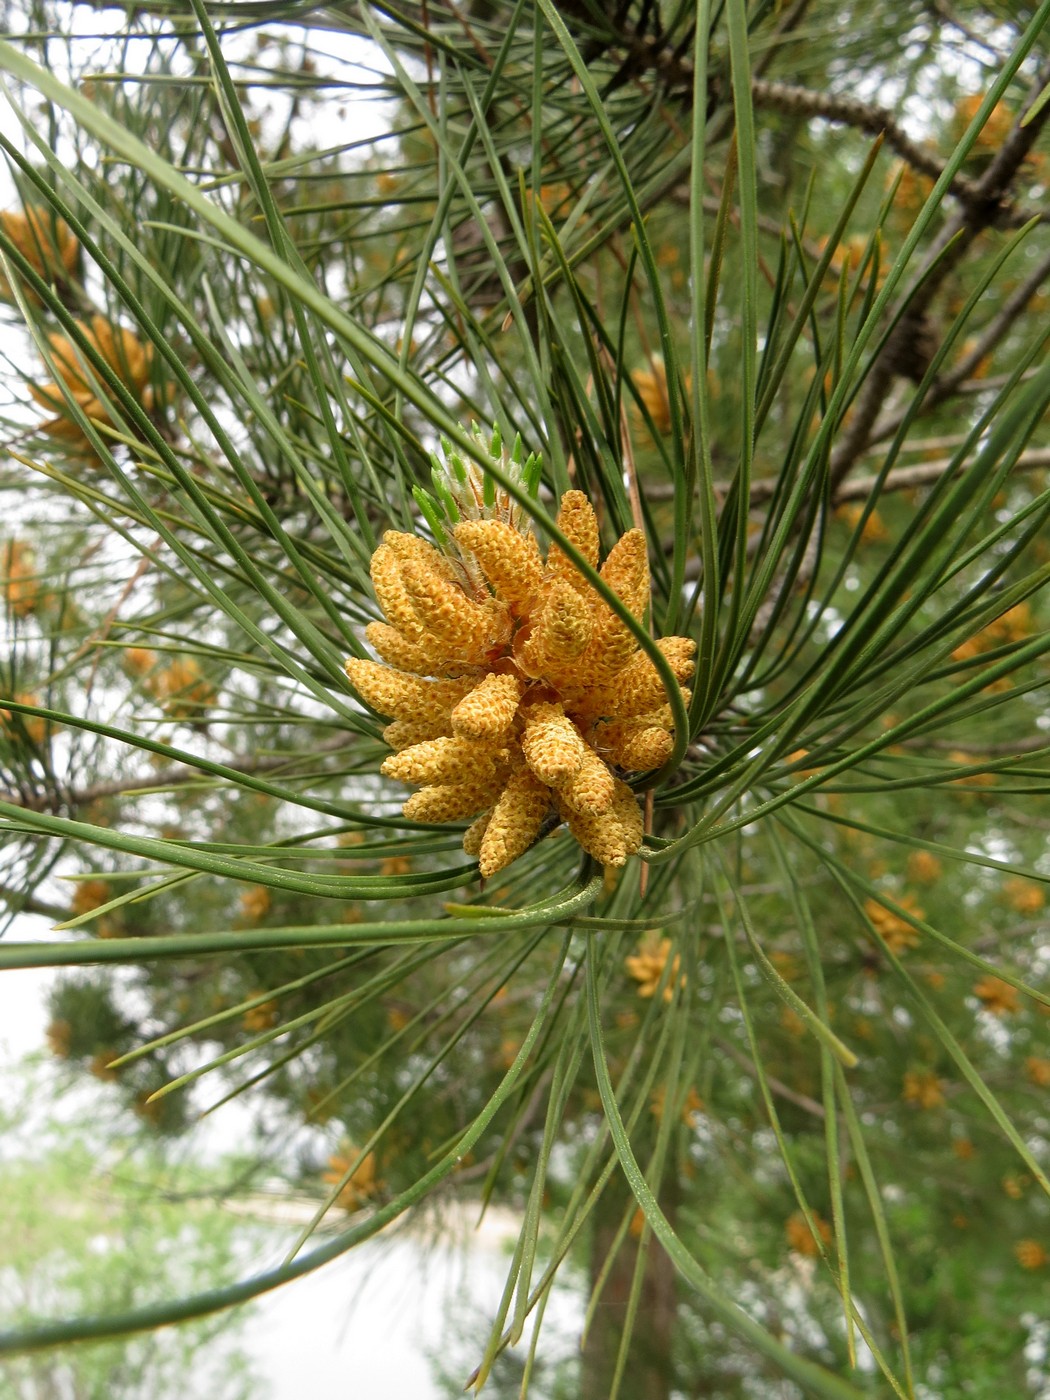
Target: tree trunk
x,y
648,1374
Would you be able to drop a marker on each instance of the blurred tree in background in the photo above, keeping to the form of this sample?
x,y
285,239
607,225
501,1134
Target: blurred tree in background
x,y
766,282
102,1218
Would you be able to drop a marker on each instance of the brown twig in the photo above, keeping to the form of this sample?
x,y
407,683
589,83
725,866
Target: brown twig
x,y
980,211
862,116
923,473
23,903
997,328
176,776
859,489
777,1086
900,479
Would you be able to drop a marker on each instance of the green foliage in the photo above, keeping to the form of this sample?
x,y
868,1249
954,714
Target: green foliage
x,y
102,1222
791,1055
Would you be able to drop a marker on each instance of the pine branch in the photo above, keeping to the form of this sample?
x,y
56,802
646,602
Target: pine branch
x,y
22,903
942,389
980,212
863,116
861,487
923,474
777,1086
73,799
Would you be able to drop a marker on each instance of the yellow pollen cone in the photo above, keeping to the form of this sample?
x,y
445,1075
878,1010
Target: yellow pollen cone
x,y
488,711
633,747
440,761
613,837
122,352
451,802
551,744
509,560
421,658
402,734
405,547
400,696
541,695
392,595
475,834
578,523
601,837
626,571
560,634
639,689
465,630
515,821
591,790
46,242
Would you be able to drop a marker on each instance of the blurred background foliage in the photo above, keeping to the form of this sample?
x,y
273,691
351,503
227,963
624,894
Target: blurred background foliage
x,y
104,1216
769,281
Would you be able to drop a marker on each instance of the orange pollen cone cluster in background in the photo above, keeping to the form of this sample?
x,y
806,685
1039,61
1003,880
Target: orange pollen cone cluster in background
x,y
46,242
923,1088
125,355
800,1234
1031,1254
997,996
255,903
89,895
181,687
1013,626
540,697
359,1186
138,661
18,578
13,722
646,967
997,126
896,932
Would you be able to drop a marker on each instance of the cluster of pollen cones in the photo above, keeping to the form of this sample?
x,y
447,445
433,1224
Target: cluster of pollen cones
x,y
515,691
121,350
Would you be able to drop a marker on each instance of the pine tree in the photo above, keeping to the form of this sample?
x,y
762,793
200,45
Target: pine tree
x,y
623,427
